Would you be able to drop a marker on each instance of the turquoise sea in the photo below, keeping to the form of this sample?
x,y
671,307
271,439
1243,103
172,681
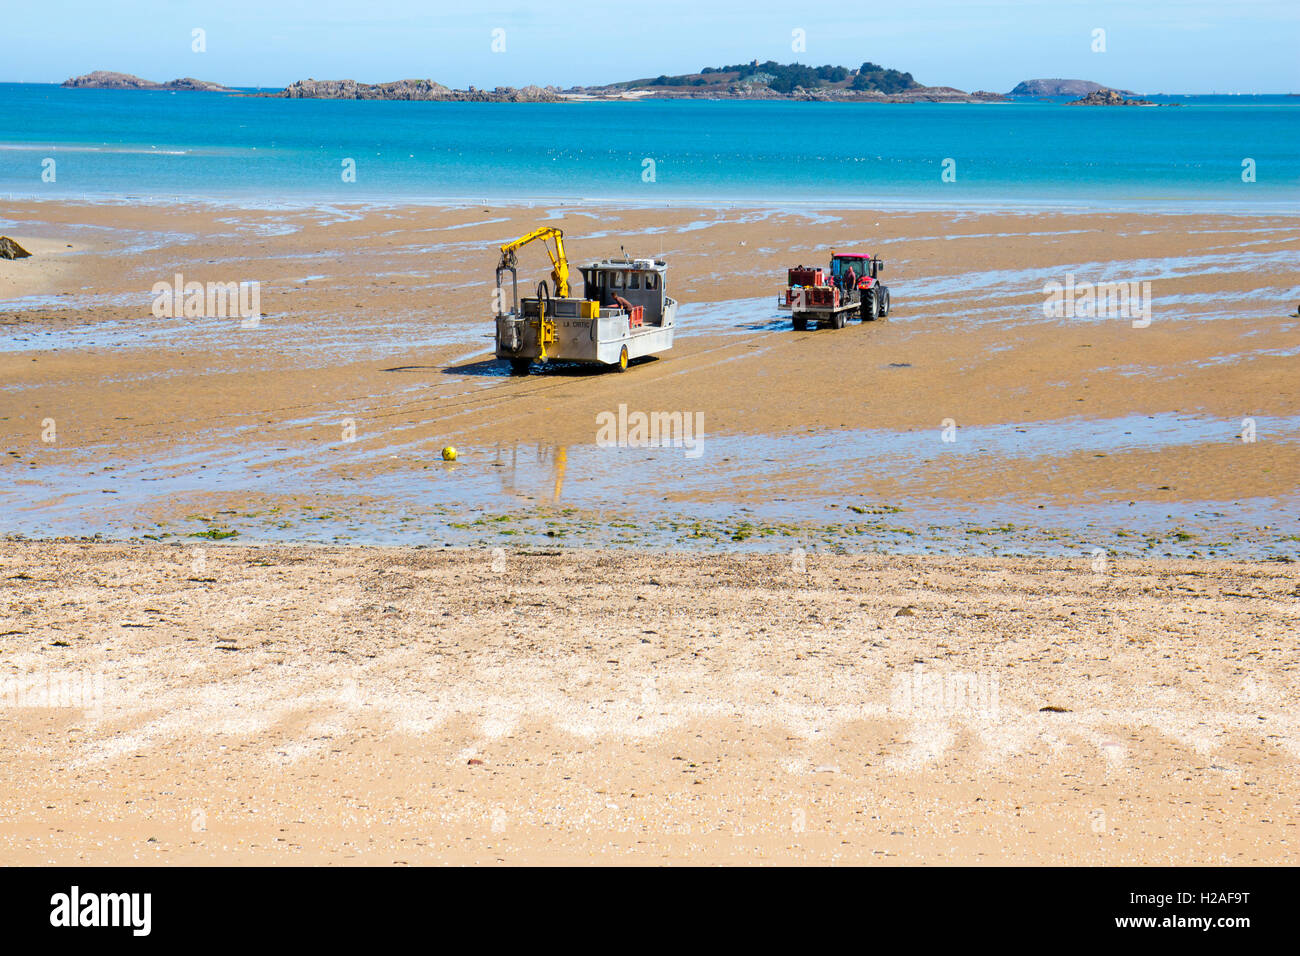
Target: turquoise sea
x,y
115,144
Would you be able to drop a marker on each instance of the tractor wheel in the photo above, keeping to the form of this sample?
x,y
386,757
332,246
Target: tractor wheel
x,y
870,309
800,323
884,302
520,366
622,359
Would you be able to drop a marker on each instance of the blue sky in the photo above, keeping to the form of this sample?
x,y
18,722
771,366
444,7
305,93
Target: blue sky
x,y
1151,46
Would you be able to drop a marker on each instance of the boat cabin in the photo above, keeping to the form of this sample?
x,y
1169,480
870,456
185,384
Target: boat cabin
x,y
639,282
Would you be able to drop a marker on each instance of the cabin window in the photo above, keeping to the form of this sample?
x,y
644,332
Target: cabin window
x,y
634,280
652,280
617,278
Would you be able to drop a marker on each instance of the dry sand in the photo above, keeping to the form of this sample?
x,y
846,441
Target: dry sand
x,y
326,705
51,266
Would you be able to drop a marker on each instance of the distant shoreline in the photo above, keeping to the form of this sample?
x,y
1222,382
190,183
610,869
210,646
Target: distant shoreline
x,y
426,91
575,96
978,205
430,91
748,81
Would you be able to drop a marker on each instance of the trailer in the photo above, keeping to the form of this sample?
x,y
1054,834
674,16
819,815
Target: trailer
x,y
849,288
624,312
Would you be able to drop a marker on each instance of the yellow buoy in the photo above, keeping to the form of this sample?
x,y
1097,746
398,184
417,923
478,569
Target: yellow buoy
x,y
449,454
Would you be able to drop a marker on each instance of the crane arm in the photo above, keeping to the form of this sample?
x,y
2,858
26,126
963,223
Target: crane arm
x,y
559,262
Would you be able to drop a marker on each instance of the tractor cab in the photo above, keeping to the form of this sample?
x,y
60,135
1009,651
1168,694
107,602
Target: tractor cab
x,y
862,265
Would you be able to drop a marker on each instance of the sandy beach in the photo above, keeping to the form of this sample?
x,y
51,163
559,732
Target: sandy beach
x,y
396,706
967,585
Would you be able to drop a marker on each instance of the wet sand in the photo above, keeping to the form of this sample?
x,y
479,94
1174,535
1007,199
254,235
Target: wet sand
x,y
584,654
387,706
376,320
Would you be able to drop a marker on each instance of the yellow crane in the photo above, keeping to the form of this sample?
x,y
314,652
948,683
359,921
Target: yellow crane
x,y
559,262
559,276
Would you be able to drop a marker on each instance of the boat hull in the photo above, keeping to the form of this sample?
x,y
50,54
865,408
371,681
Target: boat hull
x,y
599,340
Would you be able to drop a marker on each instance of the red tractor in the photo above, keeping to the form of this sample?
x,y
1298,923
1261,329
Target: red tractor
x,y
852,285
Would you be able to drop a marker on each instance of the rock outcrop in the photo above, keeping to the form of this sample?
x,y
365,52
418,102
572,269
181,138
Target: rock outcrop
x,y
425,90
11,250
1108,98
188,84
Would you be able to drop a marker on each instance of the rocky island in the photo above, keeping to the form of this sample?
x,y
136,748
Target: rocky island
x,y
1059,88
1105,97
786,81
751,81
423,90
109,80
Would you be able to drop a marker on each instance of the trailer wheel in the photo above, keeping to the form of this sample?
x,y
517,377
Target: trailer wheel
x,y
622,359
837,320
800,323
884,302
